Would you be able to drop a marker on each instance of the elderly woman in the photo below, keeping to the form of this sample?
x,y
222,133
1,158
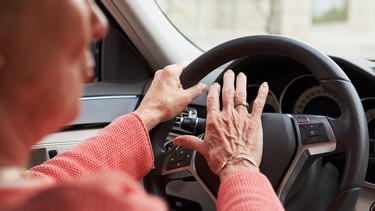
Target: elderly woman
x,y
44,61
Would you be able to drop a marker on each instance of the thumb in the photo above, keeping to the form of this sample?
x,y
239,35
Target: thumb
x,y
195,91
188,141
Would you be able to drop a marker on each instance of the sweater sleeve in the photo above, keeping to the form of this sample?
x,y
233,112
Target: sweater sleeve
x,y
107,191
122,146
247,190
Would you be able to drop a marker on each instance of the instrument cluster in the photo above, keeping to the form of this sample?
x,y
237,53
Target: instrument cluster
x,y
304,95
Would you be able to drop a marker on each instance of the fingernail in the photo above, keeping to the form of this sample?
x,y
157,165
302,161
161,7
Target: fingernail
x,y
216,84
241,74
265,84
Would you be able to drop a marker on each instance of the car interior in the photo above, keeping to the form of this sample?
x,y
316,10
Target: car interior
x,y
319,117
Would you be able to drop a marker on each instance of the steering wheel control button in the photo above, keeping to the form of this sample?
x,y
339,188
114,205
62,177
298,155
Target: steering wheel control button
x,y
313,133
304,119
180,157
311,126
315,139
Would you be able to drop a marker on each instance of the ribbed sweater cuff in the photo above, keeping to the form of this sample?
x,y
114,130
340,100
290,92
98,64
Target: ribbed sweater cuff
x,y
247,190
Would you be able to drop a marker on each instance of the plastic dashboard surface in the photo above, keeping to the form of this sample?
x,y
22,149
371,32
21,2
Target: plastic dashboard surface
x,y
96,112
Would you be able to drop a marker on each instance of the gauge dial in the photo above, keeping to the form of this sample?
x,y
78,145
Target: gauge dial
x,y
317,100
304,95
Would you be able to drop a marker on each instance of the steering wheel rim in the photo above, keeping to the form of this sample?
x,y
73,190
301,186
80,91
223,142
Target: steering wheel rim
x,y
351,125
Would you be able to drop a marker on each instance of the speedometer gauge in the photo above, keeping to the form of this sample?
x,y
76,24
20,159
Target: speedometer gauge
x,y
304,95
317,100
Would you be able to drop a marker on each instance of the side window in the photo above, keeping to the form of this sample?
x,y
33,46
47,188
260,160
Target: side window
x,y
116,57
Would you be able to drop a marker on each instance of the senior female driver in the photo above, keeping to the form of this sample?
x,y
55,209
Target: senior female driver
x,y
44,61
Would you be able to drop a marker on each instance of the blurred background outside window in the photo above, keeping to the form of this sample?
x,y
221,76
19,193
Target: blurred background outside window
x,y
336,27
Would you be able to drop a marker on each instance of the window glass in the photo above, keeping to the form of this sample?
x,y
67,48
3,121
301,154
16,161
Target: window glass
x,y
337,27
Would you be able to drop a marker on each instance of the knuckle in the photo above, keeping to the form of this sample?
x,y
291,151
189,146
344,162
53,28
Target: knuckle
x,y
168,70
185,100
212,121
158,72
240,95
212,110
226,118
211,99
258,103
228,92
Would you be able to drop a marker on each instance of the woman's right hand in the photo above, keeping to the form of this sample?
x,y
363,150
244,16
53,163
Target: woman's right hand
x,y
166,98
232,131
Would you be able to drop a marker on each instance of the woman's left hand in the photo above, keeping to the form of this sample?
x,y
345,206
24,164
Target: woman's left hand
x,y
233,139
166,98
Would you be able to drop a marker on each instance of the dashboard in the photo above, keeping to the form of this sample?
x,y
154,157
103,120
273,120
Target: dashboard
x,y
294,90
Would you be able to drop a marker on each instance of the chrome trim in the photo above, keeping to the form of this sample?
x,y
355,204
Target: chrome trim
x,y
369,185
191,169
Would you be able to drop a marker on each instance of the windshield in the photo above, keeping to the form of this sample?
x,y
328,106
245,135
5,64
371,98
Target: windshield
x,y
336,27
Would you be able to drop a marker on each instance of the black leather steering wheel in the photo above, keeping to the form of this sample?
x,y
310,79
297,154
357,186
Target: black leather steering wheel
x,y
289,148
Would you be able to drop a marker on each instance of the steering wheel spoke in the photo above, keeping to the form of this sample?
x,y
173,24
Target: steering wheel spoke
x,y
180,165
315,139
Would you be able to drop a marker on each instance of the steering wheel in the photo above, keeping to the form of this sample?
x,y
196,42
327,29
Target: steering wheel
x,y
292,142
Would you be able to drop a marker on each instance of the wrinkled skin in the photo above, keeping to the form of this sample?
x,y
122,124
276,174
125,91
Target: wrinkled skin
x,y
166,98
231,131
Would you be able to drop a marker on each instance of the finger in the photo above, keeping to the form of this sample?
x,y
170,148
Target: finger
x,y
179,67
260,101
213,103
158,74
240,93
228,90
188,141
195,91
173,72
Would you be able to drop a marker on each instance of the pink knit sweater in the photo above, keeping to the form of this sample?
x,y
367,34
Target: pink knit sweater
x,y
102,172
